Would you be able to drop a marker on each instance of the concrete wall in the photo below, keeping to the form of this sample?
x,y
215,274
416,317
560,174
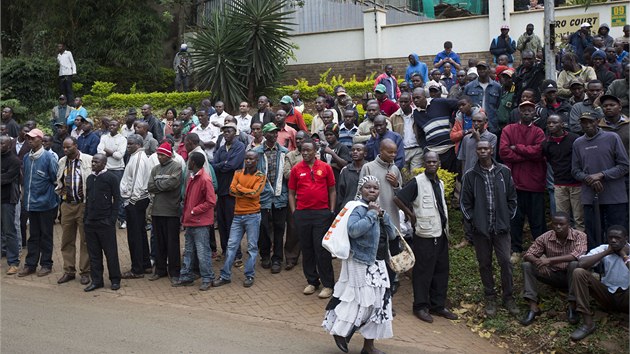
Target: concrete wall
x,y
366,50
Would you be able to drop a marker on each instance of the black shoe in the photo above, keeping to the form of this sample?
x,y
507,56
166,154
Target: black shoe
x,y
424,315
179,282
248,282
156,276
115,286
276,267
529,317
66,277
265,263
445,313
92,287
220,282
573,316
582,332
341,343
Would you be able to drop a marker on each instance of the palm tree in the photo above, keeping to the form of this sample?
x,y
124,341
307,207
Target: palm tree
x,y
243,49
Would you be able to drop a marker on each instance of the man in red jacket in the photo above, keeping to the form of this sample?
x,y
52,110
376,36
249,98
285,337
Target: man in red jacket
x,y
388,107
521,150
197,215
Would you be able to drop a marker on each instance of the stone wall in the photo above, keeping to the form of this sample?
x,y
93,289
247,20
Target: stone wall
x,y
361,68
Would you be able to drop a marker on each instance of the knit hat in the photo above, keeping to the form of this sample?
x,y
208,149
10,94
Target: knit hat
x,y
499,69
599,54
165,149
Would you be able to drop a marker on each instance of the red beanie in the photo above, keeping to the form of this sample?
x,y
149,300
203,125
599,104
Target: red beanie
x,y
165,149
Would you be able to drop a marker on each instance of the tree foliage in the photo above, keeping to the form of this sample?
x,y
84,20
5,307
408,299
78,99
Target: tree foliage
x,y
122,33
243,49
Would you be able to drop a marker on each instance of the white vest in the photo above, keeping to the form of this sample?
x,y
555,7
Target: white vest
x,y
428,220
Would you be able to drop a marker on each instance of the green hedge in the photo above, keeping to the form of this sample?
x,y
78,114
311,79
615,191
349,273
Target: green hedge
x,y
156,99
353,87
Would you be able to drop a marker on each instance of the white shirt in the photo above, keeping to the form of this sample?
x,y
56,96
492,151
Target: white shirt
x,y
244,123
75,133
135,180
617,274
484,86
409,139
116,143
66,64
18,145
126,132
207,135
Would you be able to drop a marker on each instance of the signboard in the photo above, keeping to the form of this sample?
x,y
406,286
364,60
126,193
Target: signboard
x,y
570,24
618,16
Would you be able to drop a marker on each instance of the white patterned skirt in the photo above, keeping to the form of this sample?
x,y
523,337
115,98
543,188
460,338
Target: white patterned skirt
x,y
361,302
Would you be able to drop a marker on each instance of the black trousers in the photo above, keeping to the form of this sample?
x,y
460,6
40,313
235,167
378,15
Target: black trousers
x,y
65,88
483,250
532,205
168,254
137,236
430,273
40,240
311,225
272,233
101,239
225,215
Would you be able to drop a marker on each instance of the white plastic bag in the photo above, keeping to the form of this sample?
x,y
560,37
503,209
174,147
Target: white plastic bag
x,y
336,238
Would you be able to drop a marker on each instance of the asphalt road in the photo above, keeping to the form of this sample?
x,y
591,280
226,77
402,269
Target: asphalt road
x,y
39,318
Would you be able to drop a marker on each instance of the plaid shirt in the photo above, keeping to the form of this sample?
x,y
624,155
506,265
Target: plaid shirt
x,y
272,161
73,181
549,245
488,177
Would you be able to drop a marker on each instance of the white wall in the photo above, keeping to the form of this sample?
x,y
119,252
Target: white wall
x,y
427,38
468,35
326,47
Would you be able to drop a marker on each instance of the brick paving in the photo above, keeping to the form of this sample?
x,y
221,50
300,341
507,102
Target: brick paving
x,y
277,297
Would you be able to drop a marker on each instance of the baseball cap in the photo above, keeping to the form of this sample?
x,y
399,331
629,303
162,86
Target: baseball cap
x,y
576,82
59,124
527,103
509,72
482,63
586,25
269,127
434,85
550,86
132,111
609,97
588,115
231,125
62,97
507,27
341,92
89,120
35,133
286,100
184,46
472,71
380,88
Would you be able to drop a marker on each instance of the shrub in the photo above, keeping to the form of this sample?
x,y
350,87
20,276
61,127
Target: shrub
x,y
447,177
32,81
353,87
308,119
156,99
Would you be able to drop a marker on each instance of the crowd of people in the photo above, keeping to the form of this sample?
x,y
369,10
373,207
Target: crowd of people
x,y
512,137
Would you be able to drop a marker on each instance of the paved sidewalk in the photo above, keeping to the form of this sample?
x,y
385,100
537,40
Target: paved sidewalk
x,y
277,297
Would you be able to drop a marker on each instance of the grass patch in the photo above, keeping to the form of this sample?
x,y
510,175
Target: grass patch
x,y
548,334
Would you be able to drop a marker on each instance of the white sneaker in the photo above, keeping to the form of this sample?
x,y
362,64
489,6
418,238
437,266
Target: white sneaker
x,y
310,289
325,293
515,258
123,225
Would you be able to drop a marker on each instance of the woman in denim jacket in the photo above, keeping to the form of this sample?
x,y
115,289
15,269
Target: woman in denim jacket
x,y
362,298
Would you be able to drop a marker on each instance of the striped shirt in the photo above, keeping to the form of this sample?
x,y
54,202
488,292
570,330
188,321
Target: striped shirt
x,y
549,245
73,181
488,177
435,121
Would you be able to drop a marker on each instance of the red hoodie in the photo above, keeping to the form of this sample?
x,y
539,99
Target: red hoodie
x,y
199,201
529,169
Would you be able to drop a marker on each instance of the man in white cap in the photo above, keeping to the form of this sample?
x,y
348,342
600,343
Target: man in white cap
x,y
182,64
580,40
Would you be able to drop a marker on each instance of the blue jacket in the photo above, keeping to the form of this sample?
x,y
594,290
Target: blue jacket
x,y
579,44
225,163
270,195
373,147
40,176
364,232
420,68
493,100
500,46
81,111
88,143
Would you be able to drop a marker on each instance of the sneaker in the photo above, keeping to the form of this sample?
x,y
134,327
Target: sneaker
x,y
515,258
510,305
205,286
491,308
310,289
325,293
219,282
238,263
248,282
123,225
12,270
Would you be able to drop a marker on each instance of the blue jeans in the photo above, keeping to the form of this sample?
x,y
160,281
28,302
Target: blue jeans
x,y
10,237
249,223
197,238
